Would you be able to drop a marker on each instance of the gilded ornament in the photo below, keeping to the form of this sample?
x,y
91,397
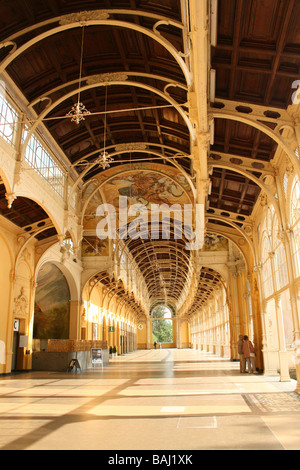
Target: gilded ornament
x,y
107,77
84,17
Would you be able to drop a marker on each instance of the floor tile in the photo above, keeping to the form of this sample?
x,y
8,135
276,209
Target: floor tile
x,y
150,400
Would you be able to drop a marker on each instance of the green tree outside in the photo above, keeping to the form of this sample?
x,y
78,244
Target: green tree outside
x,y
162,328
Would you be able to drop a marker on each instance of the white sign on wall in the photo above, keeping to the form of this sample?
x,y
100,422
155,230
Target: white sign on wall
x,y
16,325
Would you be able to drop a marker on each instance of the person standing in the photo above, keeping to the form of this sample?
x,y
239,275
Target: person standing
x,y
241,354
249,354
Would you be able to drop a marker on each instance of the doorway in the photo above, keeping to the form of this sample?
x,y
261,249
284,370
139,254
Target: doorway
x,y
162,325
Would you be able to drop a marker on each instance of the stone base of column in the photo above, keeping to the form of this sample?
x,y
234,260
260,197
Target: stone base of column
x,y
284,366
271,362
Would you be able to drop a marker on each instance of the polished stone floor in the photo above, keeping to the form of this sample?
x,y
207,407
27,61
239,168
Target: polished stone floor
x,y
150,400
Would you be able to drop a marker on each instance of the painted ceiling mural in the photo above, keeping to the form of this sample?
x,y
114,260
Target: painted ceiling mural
x,y
215,243
145,188
146,185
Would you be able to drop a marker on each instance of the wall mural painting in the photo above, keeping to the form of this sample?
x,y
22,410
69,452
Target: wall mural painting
x,y
145,188
52,304
133,169
93,246
154,184
215,243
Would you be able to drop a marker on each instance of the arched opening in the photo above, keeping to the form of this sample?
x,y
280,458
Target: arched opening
x,y
162,325
52,304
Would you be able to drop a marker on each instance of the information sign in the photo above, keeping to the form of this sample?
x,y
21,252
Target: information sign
x,y
97,357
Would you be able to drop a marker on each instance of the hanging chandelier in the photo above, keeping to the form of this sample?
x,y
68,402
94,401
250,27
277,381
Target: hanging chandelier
x,y
79,111
104,160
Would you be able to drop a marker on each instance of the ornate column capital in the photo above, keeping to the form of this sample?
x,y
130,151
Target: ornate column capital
x,y
257,268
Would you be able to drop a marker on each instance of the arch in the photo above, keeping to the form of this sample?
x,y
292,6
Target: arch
x,y
52,303
72,23
244,235
69,234
128,171
103,275
128,83
225,235
208,286
157,154
183,269
114,288
28,195
168,304
263,128
73,286
162,324
132,149
46,95
256,180
294,221
18,257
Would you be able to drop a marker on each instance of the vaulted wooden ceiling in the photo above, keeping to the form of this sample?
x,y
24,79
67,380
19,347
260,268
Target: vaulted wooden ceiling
x,y
256,58
51,69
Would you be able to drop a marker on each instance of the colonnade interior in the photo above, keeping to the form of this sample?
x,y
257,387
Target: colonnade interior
x,y
115,107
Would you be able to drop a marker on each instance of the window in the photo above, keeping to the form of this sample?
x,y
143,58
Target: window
x,y
8,120
266,272
280,263
41,161
280,267
295,222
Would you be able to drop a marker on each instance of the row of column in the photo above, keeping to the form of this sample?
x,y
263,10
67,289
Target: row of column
x,y
117,333
234,310
277,354
210,328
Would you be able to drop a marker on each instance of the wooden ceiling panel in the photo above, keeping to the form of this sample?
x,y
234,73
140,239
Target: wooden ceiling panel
x,y
252,61
263,23
226,22
292,42
257,58
261,39
233,192
56,61
282,91
223,80
26,214
250,86
240,139
20,14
